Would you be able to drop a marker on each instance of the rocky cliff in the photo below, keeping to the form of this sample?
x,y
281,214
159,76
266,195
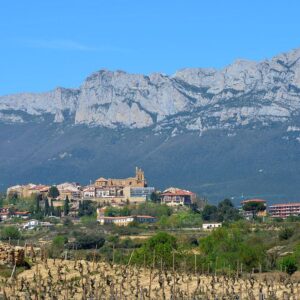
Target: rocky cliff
x,y
229,132
191,99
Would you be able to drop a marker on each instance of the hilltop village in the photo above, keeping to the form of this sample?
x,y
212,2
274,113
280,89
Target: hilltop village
x,y
127,221
69,198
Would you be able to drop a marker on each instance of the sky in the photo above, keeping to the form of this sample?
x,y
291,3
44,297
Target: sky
x,y
51,43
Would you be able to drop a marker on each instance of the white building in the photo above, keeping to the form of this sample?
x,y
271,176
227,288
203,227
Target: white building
x,y
208,226
31,224
89,192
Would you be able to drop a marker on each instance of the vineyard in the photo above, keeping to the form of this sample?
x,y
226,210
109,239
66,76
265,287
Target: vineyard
x,y
80,279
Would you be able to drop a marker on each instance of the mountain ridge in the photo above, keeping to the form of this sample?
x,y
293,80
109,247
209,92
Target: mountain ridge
x,y
228,132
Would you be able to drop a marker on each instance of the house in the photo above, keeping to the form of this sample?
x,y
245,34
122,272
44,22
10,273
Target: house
x,y
4,213
22,214
137,194
284,210
177,197
32,224
71,190
208,226
88,192
26,191
122,220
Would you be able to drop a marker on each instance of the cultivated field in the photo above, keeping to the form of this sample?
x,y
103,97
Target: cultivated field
x,y
66,279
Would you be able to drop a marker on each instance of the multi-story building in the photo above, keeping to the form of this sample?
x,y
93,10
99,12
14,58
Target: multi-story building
x,y
177,197
137,194
71,190
26,191
284,210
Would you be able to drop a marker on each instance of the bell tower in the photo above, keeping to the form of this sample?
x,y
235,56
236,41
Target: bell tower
x,y
140,176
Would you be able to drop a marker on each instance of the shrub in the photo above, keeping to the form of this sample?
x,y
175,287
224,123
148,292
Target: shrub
x,y
288,264
10,232
89,241
286,233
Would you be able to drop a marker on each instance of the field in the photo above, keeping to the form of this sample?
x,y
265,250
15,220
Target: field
x,y
70,279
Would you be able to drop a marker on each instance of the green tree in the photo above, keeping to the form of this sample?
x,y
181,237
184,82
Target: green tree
x,y
47,207
37,204
53,192
254,207
158,248
89,241
288,264
10,232
210,213
66,206
86,208
154,197
227,212
57,246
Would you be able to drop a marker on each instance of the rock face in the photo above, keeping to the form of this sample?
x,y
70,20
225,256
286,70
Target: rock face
x,y
233,132
192,99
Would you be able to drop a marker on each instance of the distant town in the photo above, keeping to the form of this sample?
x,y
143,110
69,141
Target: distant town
x,y
121,192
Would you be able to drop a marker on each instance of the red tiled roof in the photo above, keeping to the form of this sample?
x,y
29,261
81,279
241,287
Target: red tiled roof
x,y
146,217
254,200
286,204
178,193
101,179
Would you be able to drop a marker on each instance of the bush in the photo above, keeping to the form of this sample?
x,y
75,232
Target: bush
x,y
57,247
89,241
288,264
159,247
10,232
286,233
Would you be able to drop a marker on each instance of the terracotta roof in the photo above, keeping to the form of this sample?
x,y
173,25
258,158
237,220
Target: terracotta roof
x,y
178,193
254,200
286,204
101,179
146,217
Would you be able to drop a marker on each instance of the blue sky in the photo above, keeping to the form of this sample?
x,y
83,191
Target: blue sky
x,y
50,43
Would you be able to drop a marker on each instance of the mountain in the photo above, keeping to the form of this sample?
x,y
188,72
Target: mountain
x,y
231,132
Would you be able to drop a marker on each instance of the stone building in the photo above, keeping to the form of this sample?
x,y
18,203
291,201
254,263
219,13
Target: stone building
x,y
137,181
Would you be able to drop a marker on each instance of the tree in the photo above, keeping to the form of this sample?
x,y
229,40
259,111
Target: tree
x,y
154,197
57,246
86,208
89,241
227,211
53,192
158,248
210,213
10,232
47,207
66,206
254,207
37,203
52,210
288,264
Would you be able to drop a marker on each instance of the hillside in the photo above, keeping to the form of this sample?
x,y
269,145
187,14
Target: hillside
x,y
228,132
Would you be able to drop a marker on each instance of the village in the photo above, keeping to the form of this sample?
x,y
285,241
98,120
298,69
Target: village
x,y
125,223
106,193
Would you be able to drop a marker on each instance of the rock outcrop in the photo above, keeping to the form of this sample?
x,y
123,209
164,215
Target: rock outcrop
x,y
243,93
